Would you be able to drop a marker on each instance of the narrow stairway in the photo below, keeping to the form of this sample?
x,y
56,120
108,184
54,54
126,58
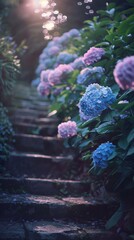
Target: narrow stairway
x,y
40,198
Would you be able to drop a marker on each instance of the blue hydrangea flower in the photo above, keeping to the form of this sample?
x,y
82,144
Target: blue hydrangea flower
x,y
66,58
102,153
90,75
96,99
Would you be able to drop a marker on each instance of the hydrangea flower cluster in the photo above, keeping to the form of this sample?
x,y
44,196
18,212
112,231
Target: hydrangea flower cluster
x,y
56,75
90,75
52,55
96,99
53,51
102,153
39,69
44,75
74,32
44,88
67,129
124,73
78,63
65,58
93,55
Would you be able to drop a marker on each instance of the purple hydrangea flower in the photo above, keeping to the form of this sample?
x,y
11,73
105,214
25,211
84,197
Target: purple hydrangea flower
x,y
64,39
35,82
124,73
67,129
65,68
93,55
74,33
44,75
56,91
42,57
44,88
55,77
59,73
52,51
96,99
39,69
102,153
78,63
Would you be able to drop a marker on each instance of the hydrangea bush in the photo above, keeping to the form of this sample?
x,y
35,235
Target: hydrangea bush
x,y
6,136
98,95
10,54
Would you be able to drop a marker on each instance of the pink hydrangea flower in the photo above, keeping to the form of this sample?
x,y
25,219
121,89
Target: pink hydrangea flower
x,y
67,129
44,75
56,76
93,55
65,68
124,73
44,88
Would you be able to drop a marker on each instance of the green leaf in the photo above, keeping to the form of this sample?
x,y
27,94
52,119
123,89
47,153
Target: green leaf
x,y
83,131
126,24
130,136
112,156
131,150
86,157
115,88
85,143
131,2
105,128
114,219
131,236
86,123
123,143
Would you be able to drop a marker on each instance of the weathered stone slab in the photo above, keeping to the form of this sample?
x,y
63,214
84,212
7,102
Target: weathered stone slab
x,y
37,165
67,231
11,231
29,119
28,112
34,143
48,187
26,206
31,128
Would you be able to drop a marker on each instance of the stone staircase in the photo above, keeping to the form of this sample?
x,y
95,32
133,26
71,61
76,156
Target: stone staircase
x,y
41,194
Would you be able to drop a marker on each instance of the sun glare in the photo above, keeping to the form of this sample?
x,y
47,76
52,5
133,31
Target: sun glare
x,y
49,25
50,15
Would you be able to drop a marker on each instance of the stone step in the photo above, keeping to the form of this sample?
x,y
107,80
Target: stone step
x,y
28,112
29,119
11,230
37,165
38,144
59,230
32,105
35,207
54,230
49,187
34,98
30,128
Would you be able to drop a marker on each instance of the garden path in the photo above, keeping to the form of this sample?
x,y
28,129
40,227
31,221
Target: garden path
x,y
41,197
